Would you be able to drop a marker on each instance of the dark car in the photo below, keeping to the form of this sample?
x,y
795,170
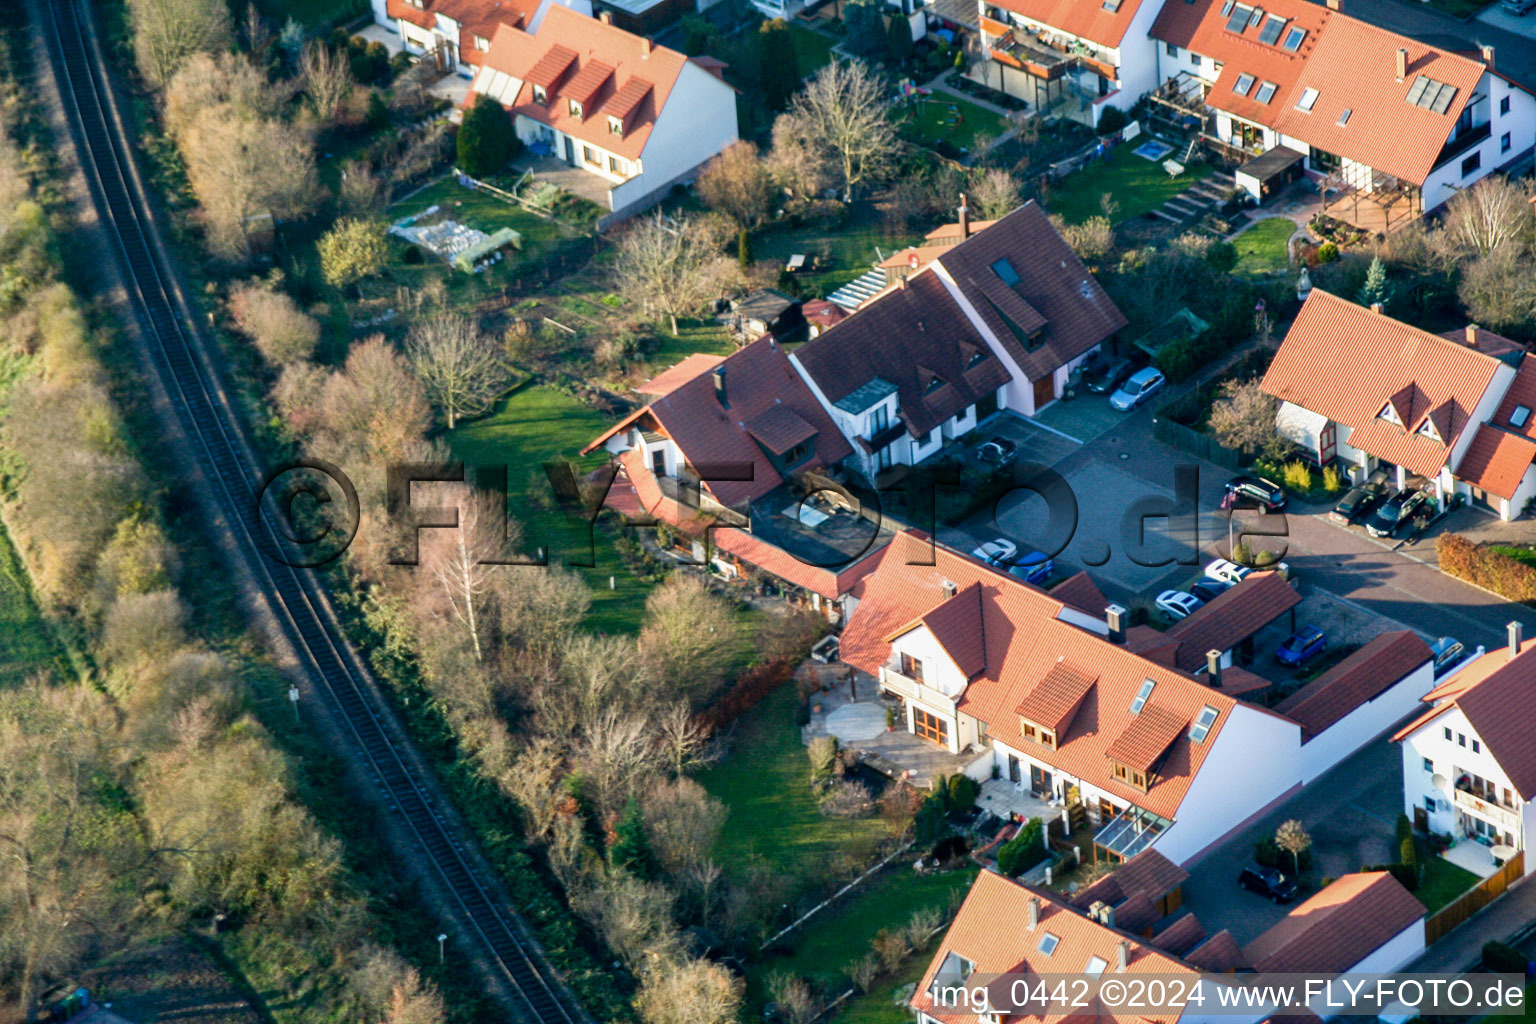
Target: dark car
x,y
1105,375
999,450
1267,882
1302,646
1357,504
1384,520
1209,590
1266,494
1031,567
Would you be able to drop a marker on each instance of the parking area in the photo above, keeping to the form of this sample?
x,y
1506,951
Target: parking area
x,y
1082,418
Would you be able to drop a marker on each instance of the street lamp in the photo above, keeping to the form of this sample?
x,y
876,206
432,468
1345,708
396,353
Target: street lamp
x,y
441,938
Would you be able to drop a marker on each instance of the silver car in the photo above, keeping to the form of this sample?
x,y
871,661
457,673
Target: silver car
x,y
1142,385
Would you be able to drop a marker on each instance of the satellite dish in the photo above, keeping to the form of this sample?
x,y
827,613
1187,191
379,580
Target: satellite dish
x,y
1439,781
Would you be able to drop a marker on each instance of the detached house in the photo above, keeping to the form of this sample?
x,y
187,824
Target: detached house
x,y
640,117
1469,763
1297,87
1060,701
456,34
994,320
1358,386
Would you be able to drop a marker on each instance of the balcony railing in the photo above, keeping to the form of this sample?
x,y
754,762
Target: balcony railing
x,y
913,690
1503,817
1463,142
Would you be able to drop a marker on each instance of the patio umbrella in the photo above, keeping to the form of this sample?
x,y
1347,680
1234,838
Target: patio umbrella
x,y
1503,851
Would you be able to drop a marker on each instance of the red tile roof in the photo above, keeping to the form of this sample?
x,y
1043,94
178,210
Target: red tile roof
x,y
1345,362
410,12
482,18
1218,954
1082,593
596,46
1024,636
1336,929
1232,617
1143,742
759,378
1497,460
958,627
1361,677
1181,936
1148,873
1494,693
1086,19
991,932
1056,698
779,429
670,379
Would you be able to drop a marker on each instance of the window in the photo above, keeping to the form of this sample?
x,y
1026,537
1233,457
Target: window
x,y
1477,748
1005,272
482,43
798,454
1111,5
540,96
1142,694
935,384
1238,20
1471,164
1461,739
1519,416
1503,106
1048,943
912,667
1344,116
613,165
1293,39
1095,966
1272,29
575,107
1256,17
1504,143
1243,84
1173,51
1308,99
1266,92
1226,7
1031,733
590,155
977,358
615,126
1194,60
1427,429
1447,732
1429,765
930,727
1390,415
1202,726
1429,804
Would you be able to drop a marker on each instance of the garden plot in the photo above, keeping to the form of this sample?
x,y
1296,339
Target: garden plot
x,y
469,249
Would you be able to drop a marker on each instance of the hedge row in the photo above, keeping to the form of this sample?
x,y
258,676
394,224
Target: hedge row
x,y
749,690
1486,568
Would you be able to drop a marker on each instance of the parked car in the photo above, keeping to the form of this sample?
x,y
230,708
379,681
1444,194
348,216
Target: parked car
x,y
1419,503
1141,385
1209,590
999,450
1518,7
1267,882
1227,572
1356,504
1031,567
1416,520
1177,604
1302,646
1448,652
1266,494
1106,375
995,552
1384,520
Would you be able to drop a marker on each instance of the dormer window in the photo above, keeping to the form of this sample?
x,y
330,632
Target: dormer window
x,y
977,358
615,126
1518,418
1389,414
541,96
482,43
1037,734
1427,429
1131,776
935,384
575,107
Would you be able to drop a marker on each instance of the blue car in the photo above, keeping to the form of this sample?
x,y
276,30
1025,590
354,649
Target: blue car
x,y
1031,567
1302,646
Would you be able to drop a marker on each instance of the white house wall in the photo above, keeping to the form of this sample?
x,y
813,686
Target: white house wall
x,y
939,669
1366,723
1018,393
698,121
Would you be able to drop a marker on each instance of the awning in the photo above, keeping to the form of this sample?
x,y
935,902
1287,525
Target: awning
x,y
1272,164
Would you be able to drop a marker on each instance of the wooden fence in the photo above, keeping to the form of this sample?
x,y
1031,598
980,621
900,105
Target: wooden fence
x,y
1203,446
1441,923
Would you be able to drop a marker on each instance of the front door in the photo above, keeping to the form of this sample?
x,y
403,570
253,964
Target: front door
x,y
1013,770
570,151
986,405
1045,390
1327,443
1039,780
1421,819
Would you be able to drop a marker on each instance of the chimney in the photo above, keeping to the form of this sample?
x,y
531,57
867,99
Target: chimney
x,y
1472,335
1034,912
1516,635
1125,956
1376,307
950,589
1402,63
1114,618
1096,911
1213,667
965,218
1107,915
1488,56
1336,5
606,17
720,395
645,46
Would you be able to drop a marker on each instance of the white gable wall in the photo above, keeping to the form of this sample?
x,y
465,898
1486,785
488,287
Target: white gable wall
x,y
1366,723
698,121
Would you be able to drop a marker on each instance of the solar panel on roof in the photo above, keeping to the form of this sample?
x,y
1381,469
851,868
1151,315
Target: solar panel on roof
x,y
1293,39
1239,20
1271,30
1416,90
1443,100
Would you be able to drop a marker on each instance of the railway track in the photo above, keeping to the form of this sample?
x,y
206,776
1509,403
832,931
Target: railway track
x,y
295,596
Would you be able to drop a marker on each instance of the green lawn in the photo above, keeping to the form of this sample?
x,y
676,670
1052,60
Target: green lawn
x,y
812,49
1519,554
879,1005
1442,881
1262,249
846,251
927,121
766,783
312,14
692,336
535,425
26,644
1136,185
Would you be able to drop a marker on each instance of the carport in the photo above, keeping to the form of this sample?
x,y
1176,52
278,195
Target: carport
x,y
1266,175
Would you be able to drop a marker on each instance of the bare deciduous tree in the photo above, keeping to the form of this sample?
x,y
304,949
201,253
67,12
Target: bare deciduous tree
x,y
797,1000
1498,290
1292,837
167,32
283,332
797,163
682,822
689,992
1244,418
843,109
689,636
685,740
327,79
460,366
996,194
1492,214
737,184
374,405
672,268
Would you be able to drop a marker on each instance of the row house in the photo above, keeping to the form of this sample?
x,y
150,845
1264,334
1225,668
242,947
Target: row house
x,y
1291,87
638,117
456,34
1469,767
1062,701
1447,413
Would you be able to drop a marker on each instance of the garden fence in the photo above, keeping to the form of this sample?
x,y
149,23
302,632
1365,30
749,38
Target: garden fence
x,y
1203,446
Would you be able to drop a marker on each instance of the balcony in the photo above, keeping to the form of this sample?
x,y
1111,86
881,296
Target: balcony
x,y
1463,142
910,689
1503,817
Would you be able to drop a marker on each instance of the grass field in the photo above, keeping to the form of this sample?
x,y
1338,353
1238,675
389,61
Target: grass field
x,y
1136,185
812,49
1262,249
846,251
765,781
26,644
927,121
1442,881
535,425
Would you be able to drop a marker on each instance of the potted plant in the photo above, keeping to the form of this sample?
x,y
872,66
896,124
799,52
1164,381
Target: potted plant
x,y
890,719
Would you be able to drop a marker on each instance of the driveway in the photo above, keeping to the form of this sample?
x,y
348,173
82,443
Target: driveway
x,y
1350,812
1522,25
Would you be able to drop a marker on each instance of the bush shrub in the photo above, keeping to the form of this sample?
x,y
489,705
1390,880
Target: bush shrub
x,y
1333,479
930,825
1298,476
1485,568
412,255
1504,959
1023,851
963,791
1328,252
1269,854
1112,120
1407,874
749,690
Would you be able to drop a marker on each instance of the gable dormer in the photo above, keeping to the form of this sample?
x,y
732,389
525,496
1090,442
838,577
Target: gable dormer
x,y
586,89
1047,712
550,72
1398,409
